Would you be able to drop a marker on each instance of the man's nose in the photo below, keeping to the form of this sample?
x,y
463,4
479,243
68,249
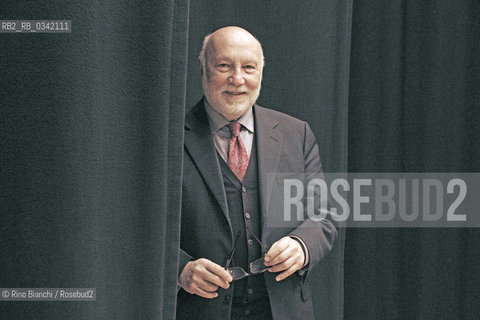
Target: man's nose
x,y
237,78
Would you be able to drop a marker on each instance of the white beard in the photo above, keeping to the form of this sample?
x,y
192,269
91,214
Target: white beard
x,y
230,110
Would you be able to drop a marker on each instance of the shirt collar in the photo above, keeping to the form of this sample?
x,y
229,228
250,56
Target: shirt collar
x,y
217,121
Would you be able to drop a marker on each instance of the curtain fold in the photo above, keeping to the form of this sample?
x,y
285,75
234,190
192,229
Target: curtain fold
x,y
413,107
92,142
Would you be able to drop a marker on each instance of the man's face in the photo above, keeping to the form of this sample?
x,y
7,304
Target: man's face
x,y
233,73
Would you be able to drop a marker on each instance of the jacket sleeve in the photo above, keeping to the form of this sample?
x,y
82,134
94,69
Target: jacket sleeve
x,y
183,259
317,234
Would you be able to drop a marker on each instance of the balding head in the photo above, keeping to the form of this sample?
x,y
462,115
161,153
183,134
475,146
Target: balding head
x,y
232,33
231,63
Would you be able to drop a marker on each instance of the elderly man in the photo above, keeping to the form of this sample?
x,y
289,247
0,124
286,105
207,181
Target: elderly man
x,y
233,264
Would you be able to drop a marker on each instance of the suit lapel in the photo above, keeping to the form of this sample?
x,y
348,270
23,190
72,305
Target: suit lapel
x,y
199,144
269,145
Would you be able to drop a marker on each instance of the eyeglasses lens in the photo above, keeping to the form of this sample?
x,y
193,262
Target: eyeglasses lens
x,y
258,266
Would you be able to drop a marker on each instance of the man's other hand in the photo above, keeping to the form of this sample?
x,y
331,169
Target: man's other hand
x,y
285,255
203,277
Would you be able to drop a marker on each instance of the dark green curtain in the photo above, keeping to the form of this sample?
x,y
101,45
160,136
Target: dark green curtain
x,y
91,140
414,107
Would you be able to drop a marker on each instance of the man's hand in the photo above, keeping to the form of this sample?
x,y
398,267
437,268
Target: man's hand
x,y
285,255
203,277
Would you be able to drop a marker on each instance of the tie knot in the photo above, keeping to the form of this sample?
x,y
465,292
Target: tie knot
x,y
234,129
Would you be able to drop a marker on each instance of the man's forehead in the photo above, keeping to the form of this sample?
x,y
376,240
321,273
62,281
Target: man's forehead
x,y
229,48
232,54
234,43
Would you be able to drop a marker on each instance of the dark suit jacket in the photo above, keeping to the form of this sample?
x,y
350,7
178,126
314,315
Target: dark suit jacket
x,y
284,144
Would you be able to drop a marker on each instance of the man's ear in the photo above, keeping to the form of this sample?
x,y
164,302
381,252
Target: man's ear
x,y
200,67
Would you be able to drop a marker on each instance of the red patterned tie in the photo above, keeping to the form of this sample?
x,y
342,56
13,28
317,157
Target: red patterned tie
x,y
237,154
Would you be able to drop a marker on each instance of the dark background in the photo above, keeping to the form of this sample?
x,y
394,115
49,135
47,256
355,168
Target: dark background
x,y
413,107
92,128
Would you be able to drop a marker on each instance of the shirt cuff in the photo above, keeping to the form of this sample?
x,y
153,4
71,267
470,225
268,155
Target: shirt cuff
x,y
304,248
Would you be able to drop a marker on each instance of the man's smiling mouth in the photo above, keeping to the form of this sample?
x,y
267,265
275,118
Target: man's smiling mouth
x,y
233,93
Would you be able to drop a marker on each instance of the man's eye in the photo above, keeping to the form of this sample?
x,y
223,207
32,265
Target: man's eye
x,y
249,67
223,67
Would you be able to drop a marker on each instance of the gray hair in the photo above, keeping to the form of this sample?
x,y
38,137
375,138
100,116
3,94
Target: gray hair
x,y
202,57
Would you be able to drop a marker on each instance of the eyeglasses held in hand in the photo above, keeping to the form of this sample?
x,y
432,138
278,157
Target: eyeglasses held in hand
x,y
255,267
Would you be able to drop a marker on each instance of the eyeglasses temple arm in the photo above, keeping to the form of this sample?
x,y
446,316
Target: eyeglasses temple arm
x,y
230,257
260,242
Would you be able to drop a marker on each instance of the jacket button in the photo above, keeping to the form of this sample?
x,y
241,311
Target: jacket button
x,y
247,215
250,242
227,299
